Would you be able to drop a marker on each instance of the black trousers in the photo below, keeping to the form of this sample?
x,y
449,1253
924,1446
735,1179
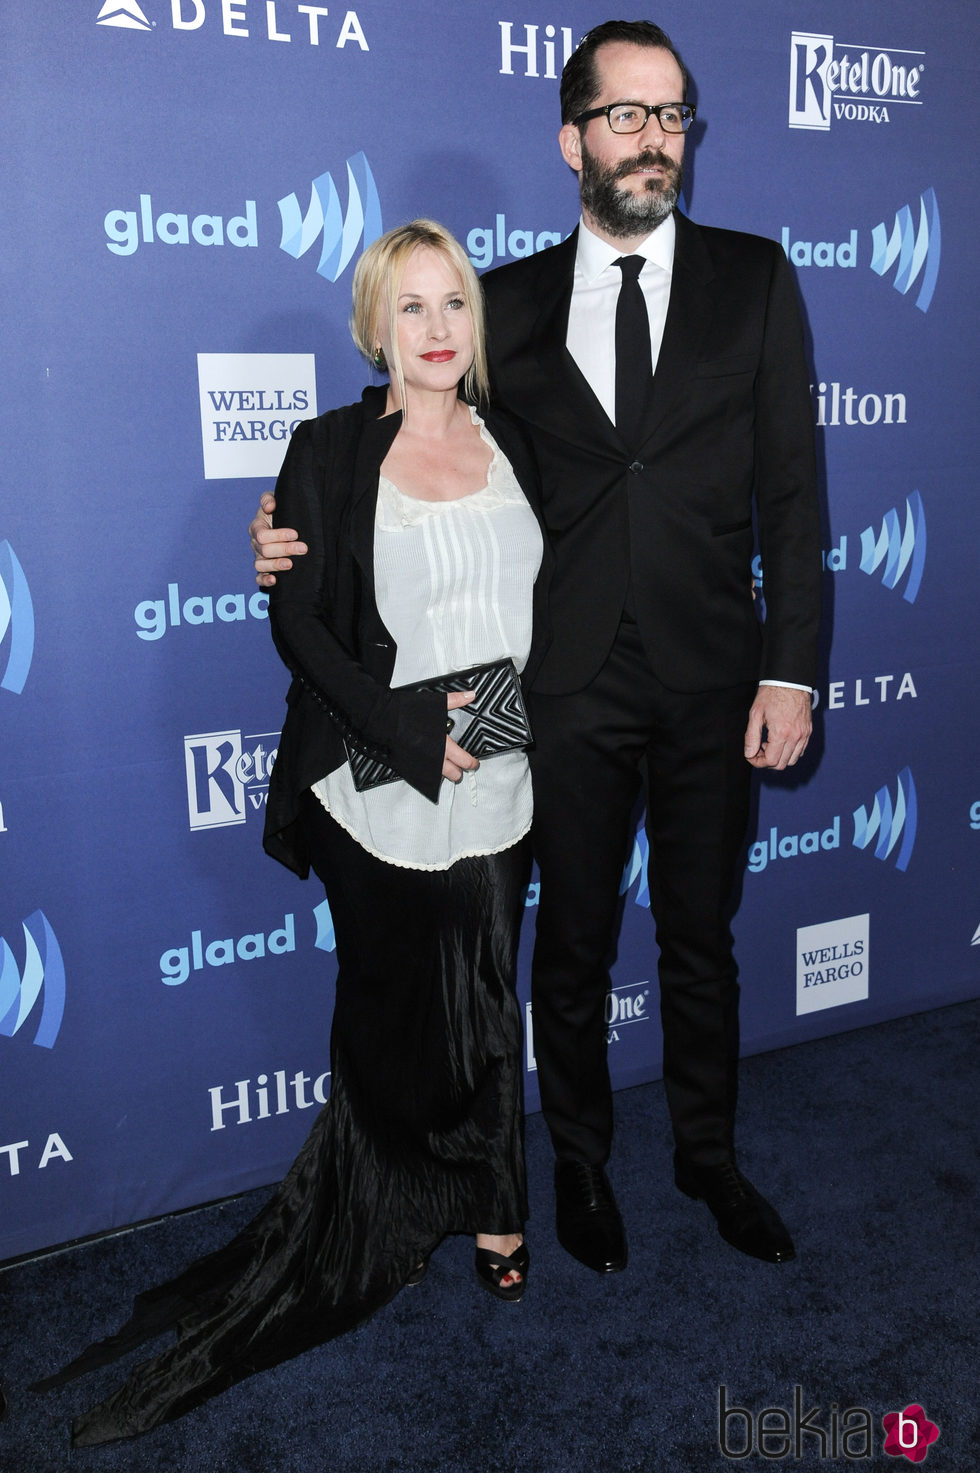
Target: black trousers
x,y
592,751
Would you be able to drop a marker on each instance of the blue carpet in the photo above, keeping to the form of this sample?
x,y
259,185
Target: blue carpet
x,y
867,1142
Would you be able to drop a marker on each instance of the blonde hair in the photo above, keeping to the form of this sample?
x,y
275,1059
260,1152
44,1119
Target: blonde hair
x,y
377,285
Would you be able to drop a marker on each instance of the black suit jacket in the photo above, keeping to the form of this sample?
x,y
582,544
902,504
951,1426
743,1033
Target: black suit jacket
x,y
728,441
326,624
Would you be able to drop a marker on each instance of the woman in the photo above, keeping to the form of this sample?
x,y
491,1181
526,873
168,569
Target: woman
x,y
423,554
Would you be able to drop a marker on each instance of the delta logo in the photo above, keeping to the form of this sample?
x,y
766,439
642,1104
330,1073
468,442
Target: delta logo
x,y
263,19
912,247
834,81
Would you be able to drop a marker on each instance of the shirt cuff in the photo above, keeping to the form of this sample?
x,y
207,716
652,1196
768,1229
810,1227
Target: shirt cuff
x,y
788,685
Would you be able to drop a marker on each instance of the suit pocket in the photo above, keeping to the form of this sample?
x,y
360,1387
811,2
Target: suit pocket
x,y
721,529
724,367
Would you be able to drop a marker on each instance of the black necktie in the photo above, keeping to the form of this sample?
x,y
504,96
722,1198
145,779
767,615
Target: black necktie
x,y
633,362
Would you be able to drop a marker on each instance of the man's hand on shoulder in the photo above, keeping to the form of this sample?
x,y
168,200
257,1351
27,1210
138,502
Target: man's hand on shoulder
x,y
274,547
786,715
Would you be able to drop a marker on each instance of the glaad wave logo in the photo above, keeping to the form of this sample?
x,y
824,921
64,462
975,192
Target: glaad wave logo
x,y
124,13
889,822
326,939
17,619
636,868
897,549
43,966
340,235
915,251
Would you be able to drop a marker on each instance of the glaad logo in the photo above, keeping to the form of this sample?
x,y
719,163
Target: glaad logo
x,y
914,251
126,232
889,822
898,549
828,78
177,964
124,13
901,549
485,243
326,939
17,620
154,616
226,775
43,967
340,236
831,964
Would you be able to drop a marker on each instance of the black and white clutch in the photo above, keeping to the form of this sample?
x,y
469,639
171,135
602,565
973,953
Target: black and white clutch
x,y
495,721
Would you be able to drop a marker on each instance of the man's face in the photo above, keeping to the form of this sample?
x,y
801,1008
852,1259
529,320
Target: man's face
x,y
629,182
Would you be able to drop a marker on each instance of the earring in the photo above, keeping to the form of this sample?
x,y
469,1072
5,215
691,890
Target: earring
x,y
378,359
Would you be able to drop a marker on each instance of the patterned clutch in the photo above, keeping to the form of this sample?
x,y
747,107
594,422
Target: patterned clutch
x,y
495,721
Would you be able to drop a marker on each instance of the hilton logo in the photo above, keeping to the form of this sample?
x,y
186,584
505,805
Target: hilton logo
x,y
543,61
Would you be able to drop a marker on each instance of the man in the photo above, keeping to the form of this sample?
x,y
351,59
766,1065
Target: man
x,y
659,369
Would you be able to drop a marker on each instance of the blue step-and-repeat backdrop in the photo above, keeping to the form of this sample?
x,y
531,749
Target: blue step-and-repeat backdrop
x,y
186,186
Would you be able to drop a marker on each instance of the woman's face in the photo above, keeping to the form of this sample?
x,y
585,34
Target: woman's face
x,y
435,332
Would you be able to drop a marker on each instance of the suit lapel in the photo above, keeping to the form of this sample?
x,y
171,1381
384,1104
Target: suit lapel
x,y
689,313
552,391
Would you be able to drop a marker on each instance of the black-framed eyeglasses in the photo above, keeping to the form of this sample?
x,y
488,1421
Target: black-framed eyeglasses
x,y
632,117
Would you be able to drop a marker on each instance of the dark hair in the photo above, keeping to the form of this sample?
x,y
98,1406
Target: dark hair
x,y
580,81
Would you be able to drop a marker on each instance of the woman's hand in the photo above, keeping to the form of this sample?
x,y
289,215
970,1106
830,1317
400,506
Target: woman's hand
x,y
457,760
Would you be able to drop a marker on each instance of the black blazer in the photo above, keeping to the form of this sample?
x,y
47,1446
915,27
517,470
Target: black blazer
x,y
728,440
325,619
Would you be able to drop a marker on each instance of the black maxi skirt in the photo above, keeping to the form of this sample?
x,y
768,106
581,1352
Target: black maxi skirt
x,y
421,1136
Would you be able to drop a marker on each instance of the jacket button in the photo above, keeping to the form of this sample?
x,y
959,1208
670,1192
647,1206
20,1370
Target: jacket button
x,y
637,466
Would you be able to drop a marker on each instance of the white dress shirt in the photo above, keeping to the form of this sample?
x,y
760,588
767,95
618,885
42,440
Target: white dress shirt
x,y
591,334
453,581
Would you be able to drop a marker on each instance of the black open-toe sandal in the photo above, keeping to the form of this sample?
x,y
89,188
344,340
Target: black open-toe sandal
x,y
418,1274
492,1267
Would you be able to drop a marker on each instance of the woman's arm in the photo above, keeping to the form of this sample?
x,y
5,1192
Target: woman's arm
x,y
406,729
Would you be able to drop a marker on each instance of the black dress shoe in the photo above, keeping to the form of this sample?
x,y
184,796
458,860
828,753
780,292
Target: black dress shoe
x,y
745,1219
587,1219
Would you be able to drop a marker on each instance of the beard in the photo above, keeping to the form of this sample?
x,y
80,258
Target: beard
x,y
620,213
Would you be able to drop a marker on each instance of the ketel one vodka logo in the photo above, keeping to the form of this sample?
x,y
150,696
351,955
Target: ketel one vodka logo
x,y
227,776
831,80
